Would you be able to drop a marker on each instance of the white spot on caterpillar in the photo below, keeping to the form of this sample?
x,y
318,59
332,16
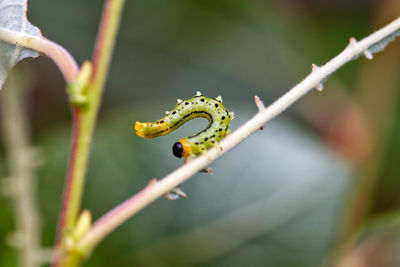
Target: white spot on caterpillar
x,y
198,93
219,98
167,112
179,100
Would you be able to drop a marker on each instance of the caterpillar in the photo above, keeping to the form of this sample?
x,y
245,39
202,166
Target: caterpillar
x,y
185,110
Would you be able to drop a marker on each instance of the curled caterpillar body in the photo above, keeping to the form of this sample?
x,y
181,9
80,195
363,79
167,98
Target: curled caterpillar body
x,y
185,110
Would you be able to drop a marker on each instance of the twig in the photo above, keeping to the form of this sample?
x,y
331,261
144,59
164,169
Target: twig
x,y
22,179
61,57
110,221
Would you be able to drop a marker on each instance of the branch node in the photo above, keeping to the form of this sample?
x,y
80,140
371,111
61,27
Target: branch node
x,y
82,225
319,86
78,88
69,243
353,42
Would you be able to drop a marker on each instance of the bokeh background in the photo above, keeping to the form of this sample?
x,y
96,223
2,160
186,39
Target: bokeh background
x,y
319,186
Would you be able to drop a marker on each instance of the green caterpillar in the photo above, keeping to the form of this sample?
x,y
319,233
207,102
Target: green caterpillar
x,y
185,110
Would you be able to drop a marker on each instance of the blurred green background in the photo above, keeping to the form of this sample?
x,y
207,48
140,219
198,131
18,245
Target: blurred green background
x,y
290,195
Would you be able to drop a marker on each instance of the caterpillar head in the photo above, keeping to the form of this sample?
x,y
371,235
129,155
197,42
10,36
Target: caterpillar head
x,y
151,129
181,149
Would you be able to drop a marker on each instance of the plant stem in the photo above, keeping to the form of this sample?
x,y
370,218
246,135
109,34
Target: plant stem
x,y
22,167
84,125
130,207
61,57
76,155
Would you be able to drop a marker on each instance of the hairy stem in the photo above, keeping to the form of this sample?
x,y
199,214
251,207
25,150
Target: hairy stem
x,y
22,181
84,126
61,57
315,79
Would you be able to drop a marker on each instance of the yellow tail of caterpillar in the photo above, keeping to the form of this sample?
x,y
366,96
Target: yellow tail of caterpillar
x,y
185,110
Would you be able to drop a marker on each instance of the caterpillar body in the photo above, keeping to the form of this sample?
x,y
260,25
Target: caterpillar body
x,y
185,110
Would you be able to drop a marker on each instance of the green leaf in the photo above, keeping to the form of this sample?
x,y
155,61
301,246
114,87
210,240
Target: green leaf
x,y
13,18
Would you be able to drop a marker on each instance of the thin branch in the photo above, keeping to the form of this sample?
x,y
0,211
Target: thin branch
x,y
61,57
22,181
110,221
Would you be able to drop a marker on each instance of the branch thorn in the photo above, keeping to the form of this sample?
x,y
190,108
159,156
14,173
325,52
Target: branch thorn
x,y
208,170
175,193
152,182
352,41
319,87
259,103
314,67
368,54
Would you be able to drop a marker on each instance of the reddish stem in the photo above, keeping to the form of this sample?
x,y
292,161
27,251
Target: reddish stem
x,y
100,39
75,133
84,121
76,129
76,122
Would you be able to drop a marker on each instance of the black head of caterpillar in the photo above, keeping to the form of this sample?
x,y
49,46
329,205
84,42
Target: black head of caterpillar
x,y
177,149
198,106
